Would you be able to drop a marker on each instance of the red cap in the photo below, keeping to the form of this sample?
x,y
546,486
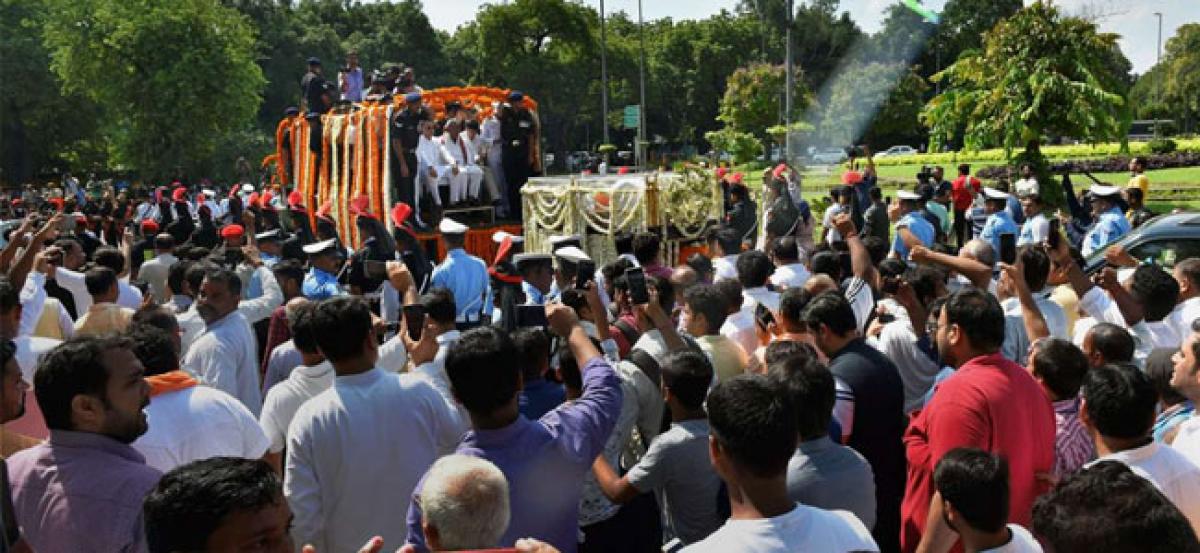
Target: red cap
x,y
295,198
324,210
721,172
851,178
252,201
201,198
179,194
232,231
265,199
149,226
736,178
779,169
361,206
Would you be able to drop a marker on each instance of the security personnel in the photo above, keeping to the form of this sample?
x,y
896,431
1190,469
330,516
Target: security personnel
x,y
321,281
270,246
380,90
911,225
1110,224
999,220
465,275
537,276
406,135
517,132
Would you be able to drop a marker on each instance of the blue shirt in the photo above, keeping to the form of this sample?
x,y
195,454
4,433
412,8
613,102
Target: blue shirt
x,y
539,397
544,461
1014,209
916,224
466,277
1111,226
998,223
533,296
319,285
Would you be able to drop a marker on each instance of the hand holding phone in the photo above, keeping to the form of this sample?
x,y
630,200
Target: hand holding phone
x,y
586,273
1008,248
638,294
414,319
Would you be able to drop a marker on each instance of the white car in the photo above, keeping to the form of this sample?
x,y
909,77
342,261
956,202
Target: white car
x,y
829,156
898,151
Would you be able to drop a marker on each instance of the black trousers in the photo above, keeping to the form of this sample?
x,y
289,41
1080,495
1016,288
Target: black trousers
x,y
962,229
516,173
404,189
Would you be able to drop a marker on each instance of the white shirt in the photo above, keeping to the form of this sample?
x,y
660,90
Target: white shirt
x,y
356,452
72,281
1170,471
1187,439
1098,305
724,268
154,272
801,529
1183,315
1022,542
285,398
191,326
33,299
283,359
434,372
225,357
751,297
898,341
198,423
430,153
1024,187
792,275
456,152
1016,339
739,327
1034,230
260,308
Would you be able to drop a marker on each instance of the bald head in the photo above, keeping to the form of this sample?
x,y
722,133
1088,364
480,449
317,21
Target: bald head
x,y
820,283
464,503
684,277
979,250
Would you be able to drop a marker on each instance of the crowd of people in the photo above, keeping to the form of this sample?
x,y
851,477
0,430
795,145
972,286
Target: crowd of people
x,y
194,370
461,159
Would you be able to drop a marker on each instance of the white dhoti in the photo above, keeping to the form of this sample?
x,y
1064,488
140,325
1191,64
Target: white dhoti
x,y
474,180
441,175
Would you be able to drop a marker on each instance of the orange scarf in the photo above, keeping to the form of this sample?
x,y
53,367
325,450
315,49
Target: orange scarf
x,y
172,381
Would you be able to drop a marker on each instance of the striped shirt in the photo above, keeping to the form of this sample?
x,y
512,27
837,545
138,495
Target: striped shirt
x,y
1073,447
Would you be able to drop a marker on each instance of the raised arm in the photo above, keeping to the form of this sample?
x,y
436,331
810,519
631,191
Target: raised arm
x,y
860,258
1012,279
979,274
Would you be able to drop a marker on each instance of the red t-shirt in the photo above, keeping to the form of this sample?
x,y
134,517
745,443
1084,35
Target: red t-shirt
x,y
992,404
963,191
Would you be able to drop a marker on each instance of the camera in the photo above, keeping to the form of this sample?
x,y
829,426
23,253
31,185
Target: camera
x,y
924,175
853,151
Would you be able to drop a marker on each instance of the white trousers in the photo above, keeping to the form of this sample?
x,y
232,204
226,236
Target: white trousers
x,y
465,184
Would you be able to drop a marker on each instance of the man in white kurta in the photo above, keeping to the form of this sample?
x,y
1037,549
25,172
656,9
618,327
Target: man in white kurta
x,y
356,451
433,162
224,356
464,184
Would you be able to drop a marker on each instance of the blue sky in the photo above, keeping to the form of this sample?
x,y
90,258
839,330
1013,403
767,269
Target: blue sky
x,y
1134,20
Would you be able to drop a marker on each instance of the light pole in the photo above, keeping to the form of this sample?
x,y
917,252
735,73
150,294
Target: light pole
x,y
641,149
603,75
790,84
1158,63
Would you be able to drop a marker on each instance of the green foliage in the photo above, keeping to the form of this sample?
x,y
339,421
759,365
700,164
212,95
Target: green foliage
x,y
1162,145
172,79
1057,153
743,146
894,87
754,97
606,149
1171,89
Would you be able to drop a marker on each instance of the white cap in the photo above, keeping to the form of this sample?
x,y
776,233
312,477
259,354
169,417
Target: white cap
x,y
993,194
572,254
1102,190
499,236
906,195
560,238
450,226
210,193
247,187
318,247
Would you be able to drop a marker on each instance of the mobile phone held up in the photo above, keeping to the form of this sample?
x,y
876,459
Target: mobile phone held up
x,y
1054,235
414,319
585,274
638,293
1008,248
763,316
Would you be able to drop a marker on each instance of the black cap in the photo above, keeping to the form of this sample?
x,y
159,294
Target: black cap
x,y
314,61
291,110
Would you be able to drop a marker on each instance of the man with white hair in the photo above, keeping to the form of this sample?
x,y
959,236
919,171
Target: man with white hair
x,y
464,504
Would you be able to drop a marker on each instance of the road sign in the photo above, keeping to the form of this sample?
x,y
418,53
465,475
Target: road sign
x,y
633,116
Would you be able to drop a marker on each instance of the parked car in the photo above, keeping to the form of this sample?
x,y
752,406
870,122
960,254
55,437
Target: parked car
x,y
1166,239
829,156
898,151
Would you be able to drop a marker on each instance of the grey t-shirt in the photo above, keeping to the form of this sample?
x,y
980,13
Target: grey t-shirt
x,y
831,476
677,468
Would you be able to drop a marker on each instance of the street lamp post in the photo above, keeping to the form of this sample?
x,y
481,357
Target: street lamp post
x,y
603,75
641,149
1158,62
790,84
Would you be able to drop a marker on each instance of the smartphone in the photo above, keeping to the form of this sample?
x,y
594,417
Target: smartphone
x,y
414,317
1008,248
1055,234
585,273
410,260
885,318
637,286
763,316
531,316
375,270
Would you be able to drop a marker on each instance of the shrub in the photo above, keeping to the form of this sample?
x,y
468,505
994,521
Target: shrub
x,y
1161,145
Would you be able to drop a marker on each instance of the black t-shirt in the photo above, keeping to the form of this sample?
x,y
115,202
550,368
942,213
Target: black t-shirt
x,y
313,87
406,127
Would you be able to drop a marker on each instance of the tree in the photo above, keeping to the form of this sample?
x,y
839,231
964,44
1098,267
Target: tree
x,y
1171,89
820,36
172,79
1038,74
877,103
753,99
